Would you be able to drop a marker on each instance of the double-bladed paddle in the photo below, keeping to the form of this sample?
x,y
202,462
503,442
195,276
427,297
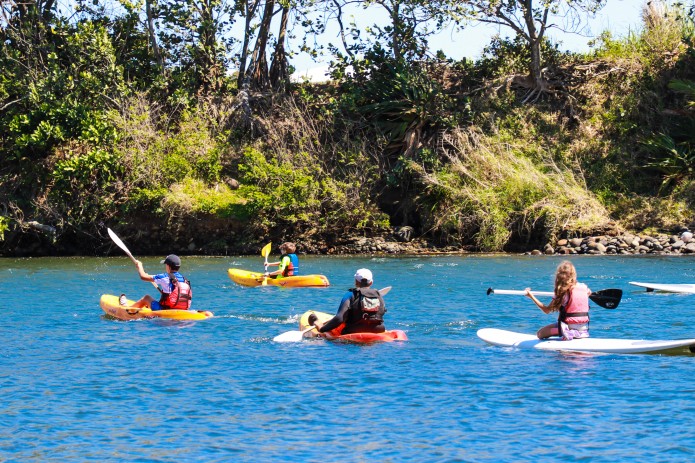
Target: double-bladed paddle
x,y
606,298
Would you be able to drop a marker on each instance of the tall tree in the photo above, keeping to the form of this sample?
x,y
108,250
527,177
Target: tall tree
x,y
279,72
248,11
149,14
258,69
530,20
197,35
410,23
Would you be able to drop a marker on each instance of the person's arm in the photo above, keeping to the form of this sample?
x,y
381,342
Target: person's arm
x,y
284,262
540,305
143,275
338,318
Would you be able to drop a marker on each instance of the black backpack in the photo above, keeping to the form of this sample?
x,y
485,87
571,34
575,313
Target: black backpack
x,y
369,304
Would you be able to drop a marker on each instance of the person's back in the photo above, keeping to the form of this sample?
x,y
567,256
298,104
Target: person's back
x,y
361,309
175,290
178,293
366,313
288,265
574,313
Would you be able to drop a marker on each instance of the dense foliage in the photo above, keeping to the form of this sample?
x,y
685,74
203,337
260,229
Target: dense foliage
x,y
129,116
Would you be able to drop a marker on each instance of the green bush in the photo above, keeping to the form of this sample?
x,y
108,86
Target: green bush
x,y
83,185
299,196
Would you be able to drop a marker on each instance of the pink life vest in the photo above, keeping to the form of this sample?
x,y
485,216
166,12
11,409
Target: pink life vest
x,y
575,311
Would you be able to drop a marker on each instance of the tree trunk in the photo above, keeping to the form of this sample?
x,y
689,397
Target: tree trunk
x,y
535,38
153,37
209,70
535,66
260,79
396,35
249,12
279,75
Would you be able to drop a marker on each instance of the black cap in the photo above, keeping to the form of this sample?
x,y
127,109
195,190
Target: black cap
x,y
173,261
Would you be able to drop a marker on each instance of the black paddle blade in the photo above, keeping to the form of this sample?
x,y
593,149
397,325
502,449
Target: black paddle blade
x,y
607,298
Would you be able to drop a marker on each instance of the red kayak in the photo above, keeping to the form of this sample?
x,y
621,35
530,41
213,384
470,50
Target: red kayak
x,y
386,336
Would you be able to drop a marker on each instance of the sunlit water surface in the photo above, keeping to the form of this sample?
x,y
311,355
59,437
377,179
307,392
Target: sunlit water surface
x,y
77,386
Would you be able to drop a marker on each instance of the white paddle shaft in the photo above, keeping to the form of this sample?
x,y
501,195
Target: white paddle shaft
x,y
515,292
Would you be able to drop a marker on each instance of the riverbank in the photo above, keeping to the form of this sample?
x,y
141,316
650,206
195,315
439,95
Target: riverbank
x,y
400,242
622,244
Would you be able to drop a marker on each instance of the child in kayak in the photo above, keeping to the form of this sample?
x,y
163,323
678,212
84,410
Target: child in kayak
x,y
289,262
175,290
571,300
361,310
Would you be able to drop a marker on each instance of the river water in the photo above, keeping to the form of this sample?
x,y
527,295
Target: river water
x,y
77,386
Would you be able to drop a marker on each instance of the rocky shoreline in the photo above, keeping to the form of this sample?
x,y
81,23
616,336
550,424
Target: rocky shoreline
x,y
625,244
395,243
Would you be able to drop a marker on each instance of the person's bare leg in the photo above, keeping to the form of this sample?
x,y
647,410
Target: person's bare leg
x,y
146,301
547,331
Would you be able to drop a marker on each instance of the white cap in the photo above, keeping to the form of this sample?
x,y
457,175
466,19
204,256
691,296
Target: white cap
x,y
363,274
687,236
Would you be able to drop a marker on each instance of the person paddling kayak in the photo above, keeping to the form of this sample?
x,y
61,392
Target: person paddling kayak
x,y
571,300
288,265
361,310
175,290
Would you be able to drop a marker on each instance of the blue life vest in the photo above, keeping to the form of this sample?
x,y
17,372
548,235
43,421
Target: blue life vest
x,y
291,270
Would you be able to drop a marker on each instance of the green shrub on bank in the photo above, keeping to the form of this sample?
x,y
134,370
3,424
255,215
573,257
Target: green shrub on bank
x,y
298,198
193,196
490,192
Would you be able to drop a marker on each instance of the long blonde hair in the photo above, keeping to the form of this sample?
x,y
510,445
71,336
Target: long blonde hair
x,y
565,279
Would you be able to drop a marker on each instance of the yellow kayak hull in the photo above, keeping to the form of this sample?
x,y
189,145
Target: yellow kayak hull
x,y
109,304
248,278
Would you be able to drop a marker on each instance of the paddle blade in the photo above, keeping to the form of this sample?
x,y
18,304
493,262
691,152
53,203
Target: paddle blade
x,y
607,298
292,336
289,336
265,252
118,242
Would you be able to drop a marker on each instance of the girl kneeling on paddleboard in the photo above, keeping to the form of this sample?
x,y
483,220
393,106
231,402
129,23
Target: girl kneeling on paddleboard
x,y
571,300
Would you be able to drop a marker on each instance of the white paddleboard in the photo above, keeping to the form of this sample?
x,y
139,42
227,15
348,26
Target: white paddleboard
x,y
679,288
506,338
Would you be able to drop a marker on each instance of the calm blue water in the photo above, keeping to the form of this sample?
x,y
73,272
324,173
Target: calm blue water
x,y
78,387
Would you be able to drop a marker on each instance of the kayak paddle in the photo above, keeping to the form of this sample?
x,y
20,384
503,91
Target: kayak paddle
x,y
264,252
606,298
297,336
292,336
122,245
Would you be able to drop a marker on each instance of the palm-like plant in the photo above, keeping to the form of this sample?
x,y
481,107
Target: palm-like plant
x,y
673,153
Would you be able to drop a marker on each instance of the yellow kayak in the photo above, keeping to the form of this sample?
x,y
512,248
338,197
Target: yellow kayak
x,y
247,278
110,305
